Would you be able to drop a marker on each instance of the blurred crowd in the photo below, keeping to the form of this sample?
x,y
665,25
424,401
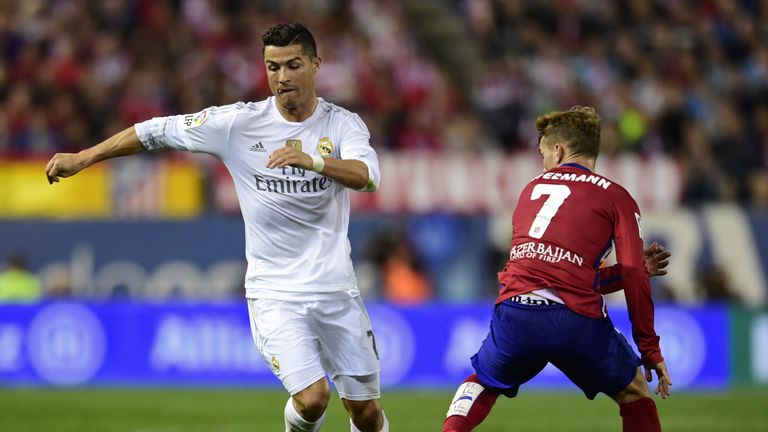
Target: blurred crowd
x,y
686,78
75,71
680,77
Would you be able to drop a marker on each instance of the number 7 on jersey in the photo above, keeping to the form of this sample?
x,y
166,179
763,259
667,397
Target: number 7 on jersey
x,y
557,195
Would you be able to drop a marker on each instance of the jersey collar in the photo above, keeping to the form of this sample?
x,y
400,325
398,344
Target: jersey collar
x,y
311,118
575,165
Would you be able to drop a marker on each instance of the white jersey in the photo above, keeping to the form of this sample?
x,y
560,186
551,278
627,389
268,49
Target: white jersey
x,y
295,220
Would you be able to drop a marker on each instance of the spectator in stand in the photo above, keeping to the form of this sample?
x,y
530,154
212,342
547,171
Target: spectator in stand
x,y
401,272
17,284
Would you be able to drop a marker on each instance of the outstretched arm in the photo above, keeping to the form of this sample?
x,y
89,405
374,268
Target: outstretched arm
x,y
68,164
349,172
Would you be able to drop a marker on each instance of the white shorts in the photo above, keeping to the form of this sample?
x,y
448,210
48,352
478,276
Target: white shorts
x,y
301,341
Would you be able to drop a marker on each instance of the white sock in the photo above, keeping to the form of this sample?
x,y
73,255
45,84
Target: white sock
x,y
384,428
352,426
295,423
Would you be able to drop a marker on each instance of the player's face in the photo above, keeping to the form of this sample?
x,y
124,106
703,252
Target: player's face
x,y
291,74
550,153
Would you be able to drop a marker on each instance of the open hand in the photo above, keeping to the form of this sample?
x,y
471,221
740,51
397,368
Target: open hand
x,y
664,381
656,259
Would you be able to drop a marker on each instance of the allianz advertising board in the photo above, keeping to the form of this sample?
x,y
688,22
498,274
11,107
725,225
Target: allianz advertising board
x,y
199,344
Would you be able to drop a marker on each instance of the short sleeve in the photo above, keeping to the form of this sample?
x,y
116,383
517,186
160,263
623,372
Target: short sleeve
x,y
355,144
206,131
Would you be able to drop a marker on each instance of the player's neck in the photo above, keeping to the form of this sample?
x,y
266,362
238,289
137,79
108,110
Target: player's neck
x,y
588,163
298,113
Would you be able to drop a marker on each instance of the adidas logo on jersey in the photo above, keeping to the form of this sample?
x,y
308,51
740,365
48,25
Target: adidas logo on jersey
x,y
258,147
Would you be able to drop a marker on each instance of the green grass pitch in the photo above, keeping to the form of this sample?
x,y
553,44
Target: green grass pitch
x,y
194,410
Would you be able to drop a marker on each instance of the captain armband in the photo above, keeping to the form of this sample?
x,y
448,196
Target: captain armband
x,y
465,397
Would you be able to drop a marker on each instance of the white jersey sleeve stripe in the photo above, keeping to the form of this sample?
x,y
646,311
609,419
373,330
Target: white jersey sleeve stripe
x,y
147,132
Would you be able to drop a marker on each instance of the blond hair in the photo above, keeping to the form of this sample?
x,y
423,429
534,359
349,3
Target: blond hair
x,y
579,128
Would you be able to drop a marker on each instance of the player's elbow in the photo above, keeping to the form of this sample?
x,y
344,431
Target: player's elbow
x,y
368,186
369,179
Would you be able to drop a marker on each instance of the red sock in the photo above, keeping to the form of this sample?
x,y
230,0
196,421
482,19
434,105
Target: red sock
x,y
477,413
640,416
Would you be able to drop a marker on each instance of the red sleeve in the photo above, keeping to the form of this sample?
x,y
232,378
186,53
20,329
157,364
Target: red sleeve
x,y
609,280
635,279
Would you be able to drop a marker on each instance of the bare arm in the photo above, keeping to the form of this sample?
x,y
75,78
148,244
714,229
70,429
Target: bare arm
x,y
68,164
350,173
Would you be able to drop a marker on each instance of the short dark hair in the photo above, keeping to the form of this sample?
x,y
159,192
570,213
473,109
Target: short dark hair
x,y
282,35
579,127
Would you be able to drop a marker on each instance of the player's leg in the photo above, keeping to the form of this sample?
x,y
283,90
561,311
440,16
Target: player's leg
x,y
361,396
510,355
366,416
289,346
305,410
470,406
637,409
598,359
349,354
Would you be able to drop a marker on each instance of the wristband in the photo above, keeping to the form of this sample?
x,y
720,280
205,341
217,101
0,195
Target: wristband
x,y
318,164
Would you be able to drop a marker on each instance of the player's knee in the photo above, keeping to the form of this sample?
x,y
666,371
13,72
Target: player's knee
x,y
637,389
312,407
366,415
312,401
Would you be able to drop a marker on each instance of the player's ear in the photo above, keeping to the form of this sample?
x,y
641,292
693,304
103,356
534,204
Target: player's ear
x,y
559,153
316,63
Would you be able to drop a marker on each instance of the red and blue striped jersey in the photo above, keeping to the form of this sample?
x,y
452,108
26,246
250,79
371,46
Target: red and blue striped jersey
x,y
565,224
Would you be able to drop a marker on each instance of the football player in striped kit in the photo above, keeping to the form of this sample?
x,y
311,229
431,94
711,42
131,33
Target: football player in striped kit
x,y
550,307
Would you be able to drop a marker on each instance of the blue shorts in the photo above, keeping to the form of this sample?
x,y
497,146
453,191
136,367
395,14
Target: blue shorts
x,y
523,339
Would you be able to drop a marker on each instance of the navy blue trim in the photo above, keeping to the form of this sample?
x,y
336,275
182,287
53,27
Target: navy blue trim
x,y
611,280
596,265
575,165
602,252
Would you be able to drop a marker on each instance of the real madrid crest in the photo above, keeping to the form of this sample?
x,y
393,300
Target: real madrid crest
x,y
325,147
275,364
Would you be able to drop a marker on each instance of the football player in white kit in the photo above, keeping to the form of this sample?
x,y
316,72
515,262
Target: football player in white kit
x,y
293,158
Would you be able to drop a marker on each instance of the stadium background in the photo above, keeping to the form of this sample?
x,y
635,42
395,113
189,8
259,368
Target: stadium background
x,y
140,323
